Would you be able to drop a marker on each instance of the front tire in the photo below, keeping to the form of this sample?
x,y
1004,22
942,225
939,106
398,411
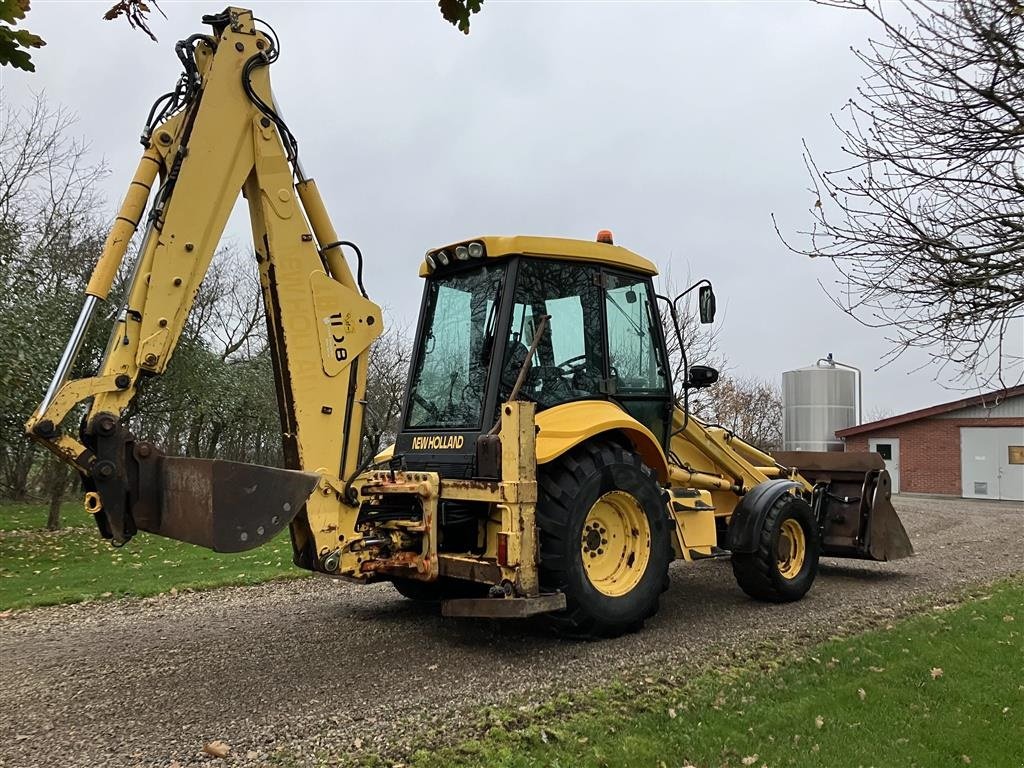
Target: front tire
x,y
604,539
786,561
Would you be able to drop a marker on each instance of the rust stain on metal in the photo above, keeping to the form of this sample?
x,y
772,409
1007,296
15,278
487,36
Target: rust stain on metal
x,y
400,564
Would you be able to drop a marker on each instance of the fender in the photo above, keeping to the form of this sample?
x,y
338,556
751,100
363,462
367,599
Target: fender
x,y
569,424
746,522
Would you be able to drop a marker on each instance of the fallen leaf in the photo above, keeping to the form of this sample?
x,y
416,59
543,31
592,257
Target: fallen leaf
x,y
217,748
966,759
252,754
819,721
936,672
877,669
749,760
862,693
1007,618
357,743
672,713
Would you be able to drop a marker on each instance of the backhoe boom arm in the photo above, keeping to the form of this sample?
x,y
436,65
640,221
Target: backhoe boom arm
x,y
221,134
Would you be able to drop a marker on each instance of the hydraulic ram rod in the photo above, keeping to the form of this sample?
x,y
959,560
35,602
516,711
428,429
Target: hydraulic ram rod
x,y
103,273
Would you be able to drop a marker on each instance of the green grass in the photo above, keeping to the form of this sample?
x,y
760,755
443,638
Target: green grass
x,y
942,689
39,567
22,516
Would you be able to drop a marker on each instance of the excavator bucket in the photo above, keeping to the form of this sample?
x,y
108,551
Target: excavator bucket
x,y
225,506
853,504
228,506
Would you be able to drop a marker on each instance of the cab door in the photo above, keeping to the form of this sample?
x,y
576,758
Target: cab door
x,y
637,370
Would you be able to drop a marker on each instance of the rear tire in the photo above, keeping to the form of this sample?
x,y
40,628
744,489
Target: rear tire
x,y
604,539
786,561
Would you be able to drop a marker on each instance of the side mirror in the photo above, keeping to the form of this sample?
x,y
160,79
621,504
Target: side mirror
x,y
706,304
701,376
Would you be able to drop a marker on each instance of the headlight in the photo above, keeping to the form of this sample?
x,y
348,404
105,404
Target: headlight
x,y
442,258
430,262
461,253
476,250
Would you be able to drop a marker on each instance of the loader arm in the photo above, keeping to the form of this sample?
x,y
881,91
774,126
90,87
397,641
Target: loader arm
x,y
849,492
217,134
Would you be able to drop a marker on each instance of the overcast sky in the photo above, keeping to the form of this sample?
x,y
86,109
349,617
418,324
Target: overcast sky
x,y
676,125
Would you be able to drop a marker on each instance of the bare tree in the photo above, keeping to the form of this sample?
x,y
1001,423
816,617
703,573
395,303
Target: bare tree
x,y
925,221
749,407
698,342
54,479
877,413
49,237
386,378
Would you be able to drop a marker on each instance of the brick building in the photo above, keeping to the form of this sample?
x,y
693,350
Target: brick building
x,y
972,447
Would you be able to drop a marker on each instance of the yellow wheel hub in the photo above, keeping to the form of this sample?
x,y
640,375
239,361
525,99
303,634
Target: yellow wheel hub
x,y
791,550
616,544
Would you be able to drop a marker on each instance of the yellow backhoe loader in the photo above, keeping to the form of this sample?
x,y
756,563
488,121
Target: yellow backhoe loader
x,y
543,464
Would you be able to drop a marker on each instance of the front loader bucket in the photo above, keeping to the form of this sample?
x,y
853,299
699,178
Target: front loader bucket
x,y
853,504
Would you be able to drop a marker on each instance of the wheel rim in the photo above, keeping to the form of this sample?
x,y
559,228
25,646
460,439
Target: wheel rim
x,y
616,544
792,549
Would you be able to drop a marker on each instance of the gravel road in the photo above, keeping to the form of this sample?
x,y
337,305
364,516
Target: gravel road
x,y
289,664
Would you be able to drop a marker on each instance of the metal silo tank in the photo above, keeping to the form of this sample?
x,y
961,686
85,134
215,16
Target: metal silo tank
x,y
817,401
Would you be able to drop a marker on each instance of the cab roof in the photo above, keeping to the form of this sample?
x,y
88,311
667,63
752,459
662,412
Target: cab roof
x,y
496,247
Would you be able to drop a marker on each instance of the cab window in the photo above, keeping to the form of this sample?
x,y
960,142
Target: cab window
x,y
568,362
635,364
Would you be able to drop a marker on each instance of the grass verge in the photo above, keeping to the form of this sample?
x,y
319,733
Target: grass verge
x,y
39,567
942,689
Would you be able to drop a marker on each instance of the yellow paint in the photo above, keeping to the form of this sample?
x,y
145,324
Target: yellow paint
x,y
554,248
694,516
615,544
320,325
570,424
792,549
346,322
321,328
519,485
127,221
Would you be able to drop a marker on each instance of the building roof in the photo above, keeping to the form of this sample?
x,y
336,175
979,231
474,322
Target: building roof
x,y
988,398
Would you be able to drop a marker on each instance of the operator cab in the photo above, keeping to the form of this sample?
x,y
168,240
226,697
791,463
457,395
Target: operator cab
x,y
586,310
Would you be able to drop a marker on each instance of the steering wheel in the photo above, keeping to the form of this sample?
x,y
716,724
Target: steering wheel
x,y
573,364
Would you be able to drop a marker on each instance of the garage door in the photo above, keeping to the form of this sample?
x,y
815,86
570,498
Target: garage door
x,y
992,462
